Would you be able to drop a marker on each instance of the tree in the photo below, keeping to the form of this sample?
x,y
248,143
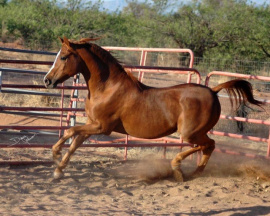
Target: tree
x,y
224,29
3,3
39,23
261,30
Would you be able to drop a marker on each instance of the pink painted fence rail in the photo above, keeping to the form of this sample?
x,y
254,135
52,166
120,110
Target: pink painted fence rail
x,y
241,119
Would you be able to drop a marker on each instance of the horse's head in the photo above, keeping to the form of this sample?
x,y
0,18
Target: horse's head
x,y
67,63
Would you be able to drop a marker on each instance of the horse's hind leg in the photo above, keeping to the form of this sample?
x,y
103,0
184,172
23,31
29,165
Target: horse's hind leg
x,y
205,144
58,173
176,162
207,150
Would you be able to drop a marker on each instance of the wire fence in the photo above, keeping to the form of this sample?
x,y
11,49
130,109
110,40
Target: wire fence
x,y
204,65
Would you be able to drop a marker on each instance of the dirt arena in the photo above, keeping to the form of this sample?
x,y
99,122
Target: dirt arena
x,y
99,182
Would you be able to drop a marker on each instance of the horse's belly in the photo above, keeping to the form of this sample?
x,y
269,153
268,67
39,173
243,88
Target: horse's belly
x,y
150,130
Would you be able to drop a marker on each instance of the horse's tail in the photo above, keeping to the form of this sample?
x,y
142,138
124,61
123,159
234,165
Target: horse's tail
x,y
240,90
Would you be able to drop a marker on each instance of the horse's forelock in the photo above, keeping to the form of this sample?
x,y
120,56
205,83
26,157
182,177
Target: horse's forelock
x,y
69,48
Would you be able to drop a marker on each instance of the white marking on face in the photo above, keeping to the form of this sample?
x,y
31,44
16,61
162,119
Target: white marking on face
x,y
53,63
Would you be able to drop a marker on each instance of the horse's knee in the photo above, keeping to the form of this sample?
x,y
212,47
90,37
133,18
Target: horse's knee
x,y
69,132
56,148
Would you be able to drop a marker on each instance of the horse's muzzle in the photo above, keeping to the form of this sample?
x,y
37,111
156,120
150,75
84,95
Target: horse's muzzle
x,y
48,83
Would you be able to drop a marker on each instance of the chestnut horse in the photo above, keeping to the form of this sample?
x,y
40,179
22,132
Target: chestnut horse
x,y
118,102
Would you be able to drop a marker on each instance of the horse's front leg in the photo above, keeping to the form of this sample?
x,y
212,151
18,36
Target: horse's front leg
x,y
57,148
58,173
83,133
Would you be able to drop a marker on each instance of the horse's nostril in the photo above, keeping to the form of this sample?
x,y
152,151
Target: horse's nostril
x,y
47,82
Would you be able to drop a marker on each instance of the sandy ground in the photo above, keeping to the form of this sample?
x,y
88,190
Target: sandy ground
x,y
99,182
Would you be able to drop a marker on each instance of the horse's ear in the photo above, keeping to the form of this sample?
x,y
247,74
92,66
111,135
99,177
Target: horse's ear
x,y
61,39
68,45
66,41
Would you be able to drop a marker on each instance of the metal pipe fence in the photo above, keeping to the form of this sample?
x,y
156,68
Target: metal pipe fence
x,y
73,109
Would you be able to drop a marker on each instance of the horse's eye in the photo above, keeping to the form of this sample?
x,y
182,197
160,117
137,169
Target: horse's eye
x,y
63,58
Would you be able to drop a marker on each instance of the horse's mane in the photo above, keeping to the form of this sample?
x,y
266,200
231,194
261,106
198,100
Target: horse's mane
x,y
107,57
97,50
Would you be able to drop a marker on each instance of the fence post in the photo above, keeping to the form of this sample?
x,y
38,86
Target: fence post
x,y
268,142
0,80
126,147
61,113
75,95
74,103
142,63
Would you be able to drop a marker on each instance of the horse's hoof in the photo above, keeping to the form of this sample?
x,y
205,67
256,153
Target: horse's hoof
x,y
58,175
178,176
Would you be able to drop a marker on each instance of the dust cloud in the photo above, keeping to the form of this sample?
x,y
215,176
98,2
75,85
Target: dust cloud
x,y
152,168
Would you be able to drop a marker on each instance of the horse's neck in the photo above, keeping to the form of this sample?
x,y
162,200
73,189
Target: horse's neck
x,y
97,72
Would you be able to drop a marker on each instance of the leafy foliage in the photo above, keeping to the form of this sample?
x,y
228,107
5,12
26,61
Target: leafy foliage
x,y
224,29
